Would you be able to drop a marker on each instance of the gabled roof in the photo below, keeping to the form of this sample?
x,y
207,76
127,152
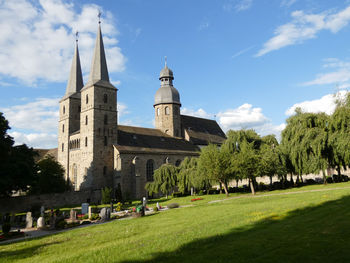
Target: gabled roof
x,y
42,153
145,140
202,131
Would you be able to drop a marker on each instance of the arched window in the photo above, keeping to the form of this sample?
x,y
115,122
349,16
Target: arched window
x,y
105,119
86,120
63,128
87,99
105,98
105,141
149,170
86,141
104,170
177,163
158,111
64,110
167,111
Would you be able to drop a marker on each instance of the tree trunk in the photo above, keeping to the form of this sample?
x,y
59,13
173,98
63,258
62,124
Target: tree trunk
x,y
324,177
226,184
237,183
338,170
291,179
297,181
220,185
270,180
225,188
252,186
301,179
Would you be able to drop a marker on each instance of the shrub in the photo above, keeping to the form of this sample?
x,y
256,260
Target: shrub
x,y
310,181
201,192
106,195
173,205
329,180
61,224
118,206
95,216
6,227
155,209
85,217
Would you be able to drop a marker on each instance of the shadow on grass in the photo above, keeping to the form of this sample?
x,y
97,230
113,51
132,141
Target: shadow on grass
x,y
25,252
312,234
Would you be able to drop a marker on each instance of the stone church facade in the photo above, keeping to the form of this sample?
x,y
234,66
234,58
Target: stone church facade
x,y
97,152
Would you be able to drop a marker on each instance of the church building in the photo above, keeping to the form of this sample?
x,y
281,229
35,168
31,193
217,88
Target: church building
x,y
97,152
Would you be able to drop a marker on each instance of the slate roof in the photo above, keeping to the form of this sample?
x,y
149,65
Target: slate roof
x,y
202,131
42,153
145,140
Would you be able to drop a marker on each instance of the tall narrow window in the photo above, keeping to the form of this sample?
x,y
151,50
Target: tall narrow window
x,y
63,128
105,98
64,110
86,120
149,170
86,141
105,119
167,110
105,141
75,177
87,99
62,147
104,170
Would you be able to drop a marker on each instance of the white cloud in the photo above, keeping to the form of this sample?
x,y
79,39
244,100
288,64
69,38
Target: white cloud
x,y
203,25
339,76
242,52
197,113
41,115
237,5
305,26
288,3
36,140
122,109
37,40
325,104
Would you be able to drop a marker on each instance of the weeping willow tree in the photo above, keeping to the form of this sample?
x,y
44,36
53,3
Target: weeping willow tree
x,y
189,176
164,180
305,139
215,163
339,135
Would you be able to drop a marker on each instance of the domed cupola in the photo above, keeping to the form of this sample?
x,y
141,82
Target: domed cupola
x,y
166,93
167,104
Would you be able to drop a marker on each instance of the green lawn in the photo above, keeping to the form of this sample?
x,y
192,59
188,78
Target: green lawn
x,y
298,227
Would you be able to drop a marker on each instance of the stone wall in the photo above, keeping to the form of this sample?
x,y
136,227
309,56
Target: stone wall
x,y
24,203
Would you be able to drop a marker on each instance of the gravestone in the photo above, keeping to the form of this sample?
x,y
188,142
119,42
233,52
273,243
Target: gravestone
x,y
105,214
84,208
40,223
29,220
158,206
108,214
90,212
73,215
144,202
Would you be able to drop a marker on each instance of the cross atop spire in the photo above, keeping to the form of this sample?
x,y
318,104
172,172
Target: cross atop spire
x,y
76,36
99,69
99,16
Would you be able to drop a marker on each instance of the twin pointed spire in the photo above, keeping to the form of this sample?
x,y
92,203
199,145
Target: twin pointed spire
x,y
75,81
98,72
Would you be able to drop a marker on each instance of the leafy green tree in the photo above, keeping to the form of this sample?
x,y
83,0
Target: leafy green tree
x,y
215,163
106,195
50,177
164,180
17,165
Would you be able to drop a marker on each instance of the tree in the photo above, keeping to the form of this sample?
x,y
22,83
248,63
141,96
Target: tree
x,y
215,162
164,180
17,165
50,177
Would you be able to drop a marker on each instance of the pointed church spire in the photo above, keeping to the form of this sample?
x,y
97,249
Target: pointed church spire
x,y
75,82
99,69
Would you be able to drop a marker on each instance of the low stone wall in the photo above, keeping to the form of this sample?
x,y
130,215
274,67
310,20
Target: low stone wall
x,y
25,203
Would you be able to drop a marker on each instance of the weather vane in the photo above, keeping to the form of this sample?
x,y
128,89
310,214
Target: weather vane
x,y
76,36
99,16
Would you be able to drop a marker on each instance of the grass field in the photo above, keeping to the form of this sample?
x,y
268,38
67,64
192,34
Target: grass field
x,y
271,227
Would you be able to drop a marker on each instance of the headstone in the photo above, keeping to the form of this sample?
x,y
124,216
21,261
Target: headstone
x,y
29,220
73,215
158,206
103,214
144,202
84,208
42,211
40,223
90,212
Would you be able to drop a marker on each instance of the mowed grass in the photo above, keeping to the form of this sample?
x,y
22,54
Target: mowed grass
x,y
297,227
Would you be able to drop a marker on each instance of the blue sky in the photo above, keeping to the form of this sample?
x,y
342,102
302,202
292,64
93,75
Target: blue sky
x,y
245,63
